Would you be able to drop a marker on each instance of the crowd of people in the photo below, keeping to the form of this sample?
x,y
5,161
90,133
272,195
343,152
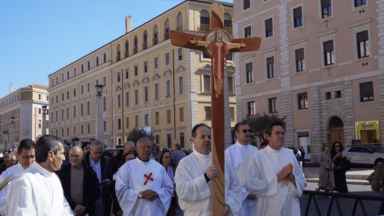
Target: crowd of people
x,y
50,178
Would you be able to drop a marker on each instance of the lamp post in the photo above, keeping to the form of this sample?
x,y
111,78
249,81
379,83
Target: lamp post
x,y
99,119
44,119
12,140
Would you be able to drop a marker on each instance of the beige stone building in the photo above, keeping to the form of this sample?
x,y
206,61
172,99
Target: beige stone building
x,y
149,83
25,105
320,64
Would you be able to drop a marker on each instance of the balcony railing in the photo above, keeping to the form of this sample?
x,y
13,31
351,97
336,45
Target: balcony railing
x,y
229,30
155,41
134,50
126,55
166,36
205,27
180,28
118,58
145,46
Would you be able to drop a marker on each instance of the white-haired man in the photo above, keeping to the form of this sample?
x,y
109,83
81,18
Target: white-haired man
x,y
143,187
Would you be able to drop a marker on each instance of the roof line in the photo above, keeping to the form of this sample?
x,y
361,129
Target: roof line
x,y
201,1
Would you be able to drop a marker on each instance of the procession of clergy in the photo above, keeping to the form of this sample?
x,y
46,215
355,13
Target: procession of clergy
x,y
257,182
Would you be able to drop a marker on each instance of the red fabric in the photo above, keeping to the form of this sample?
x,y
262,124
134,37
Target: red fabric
x,y
215,50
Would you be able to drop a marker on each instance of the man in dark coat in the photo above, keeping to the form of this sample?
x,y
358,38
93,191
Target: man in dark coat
x,y
129,147
95,159
80,184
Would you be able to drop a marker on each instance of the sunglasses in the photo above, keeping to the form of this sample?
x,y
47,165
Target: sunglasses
x,y
245,131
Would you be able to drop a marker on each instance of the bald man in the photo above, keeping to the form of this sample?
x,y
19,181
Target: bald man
x,y
129,147
80,184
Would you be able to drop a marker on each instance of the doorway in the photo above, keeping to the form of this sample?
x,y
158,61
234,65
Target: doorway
x,y
336,131
368,136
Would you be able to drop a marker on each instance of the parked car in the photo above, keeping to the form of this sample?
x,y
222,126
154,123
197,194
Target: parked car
x,y
365,154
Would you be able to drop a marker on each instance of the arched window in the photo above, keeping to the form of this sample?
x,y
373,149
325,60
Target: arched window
x,y
167,30
136,44
118,53
155,35
180,22
126,54
204,21
145,40
228,23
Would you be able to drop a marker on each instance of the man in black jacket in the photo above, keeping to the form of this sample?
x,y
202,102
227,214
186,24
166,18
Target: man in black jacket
x,y
101,166
80,184
129,147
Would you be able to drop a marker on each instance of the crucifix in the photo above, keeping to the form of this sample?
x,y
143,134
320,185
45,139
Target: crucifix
x,y
217,44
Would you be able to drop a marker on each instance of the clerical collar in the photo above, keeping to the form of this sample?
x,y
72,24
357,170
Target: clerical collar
x,y
241,145
272,150
198,154
41,170
140,161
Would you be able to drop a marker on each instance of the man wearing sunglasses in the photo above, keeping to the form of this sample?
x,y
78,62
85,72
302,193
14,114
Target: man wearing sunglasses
x,y
238,156
26,155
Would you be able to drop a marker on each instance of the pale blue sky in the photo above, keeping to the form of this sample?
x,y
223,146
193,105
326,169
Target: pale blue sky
x,y
38,37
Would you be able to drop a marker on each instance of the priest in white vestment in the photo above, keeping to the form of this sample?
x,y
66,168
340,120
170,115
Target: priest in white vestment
x,y
238,156
26,155
38,190
143,187
194,174
275,177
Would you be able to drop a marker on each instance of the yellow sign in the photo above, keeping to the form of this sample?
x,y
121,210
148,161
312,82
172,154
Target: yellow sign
x,y
367,130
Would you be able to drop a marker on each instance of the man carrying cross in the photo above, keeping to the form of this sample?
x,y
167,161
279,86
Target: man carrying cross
x,y
143,187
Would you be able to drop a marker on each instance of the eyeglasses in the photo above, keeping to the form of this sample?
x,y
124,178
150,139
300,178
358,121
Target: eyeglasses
x,y
245,131
27,157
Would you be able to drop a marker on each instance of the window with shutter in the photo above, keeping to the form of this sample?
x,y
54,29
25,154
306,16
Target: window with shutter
x,y
298,17
168,116
366,92
168,88
326,8
359,3
362,44
157,118
329,56
181,114
248,32
299,53
270,67
303,101
230,85
251,108
246,4
268,27
136,97
272,105
181,85
207,113
249,72
207,83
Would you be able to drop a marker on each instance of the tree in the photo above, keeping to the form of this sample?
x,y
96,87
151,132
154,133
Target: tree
x,y
137,133
259,122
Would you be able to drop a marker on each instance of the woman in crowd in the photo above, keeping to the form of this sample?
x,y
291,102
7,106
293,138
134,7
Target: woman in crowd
x,y
116,206
326,178
340,168
165,160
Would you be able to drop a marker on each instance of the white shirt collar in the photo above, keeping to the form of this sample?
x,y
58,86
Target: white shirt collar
x,y
268,148
142,162
202,156
241,145
41,169
21,167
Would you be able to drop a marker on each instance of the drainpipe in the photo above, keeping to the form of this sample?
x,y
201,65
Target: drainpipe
x,y
174,94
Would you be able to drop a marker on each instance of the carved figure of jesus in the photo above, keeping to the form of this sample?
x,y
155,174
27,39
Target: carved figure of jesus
x,y
219,51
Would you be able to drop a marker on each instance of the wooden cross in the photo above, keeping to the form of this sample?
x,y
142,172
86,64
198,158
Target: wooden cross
x,y
217,44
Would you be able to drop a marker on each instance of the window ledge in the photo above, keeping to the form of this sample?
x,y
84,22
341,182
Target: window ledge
x,y
301,72
270,37
266,80
366,102
359,7
303,109
298,28
232,94
329,66
248,84
363,59
326,18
